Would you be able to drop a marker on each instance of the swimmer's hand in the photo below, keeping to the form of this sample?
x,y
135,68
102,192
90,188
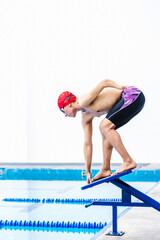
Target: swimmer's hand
x,y
89,178
124,86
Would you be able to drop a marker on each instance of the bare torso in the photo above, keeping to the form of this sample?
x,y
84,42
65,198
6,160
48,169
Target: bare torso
x,y
103,103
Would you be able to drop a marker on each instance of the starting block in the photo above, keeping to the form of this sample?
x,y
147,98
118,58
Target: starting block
x,y
127,192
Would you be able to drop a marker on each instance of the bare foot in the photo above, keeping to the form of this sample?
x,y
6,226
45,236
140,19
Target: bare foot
x,y
102,174
124,167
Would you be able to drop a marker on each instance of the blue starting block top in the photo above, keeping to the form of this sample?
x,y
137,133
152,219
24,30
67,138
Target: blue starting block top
x,y
108,179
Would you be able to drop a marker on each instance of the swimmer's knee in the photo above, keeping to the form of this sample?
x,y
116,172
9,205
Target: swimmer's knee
x,y
106,125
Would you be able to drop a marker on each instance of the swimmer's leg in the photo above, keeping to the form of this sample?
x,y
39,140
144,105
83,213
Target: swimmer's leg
x,y
113,137
107,152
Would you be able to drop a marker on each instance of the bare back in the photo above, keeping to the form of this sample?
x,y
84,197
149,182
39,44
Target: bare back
x,y
104,102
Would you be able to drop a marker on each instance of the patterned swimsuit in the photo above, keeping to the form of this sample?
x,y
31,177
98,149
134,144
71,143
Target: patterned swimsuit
x,y
131,103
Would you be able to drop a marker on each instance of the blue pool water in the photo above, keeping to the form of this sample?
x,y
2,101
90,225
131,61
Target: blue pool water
x,y
67,205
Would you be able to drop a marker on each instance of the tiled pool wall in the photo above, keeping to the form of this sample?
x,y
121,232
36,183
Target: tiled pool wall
x,y
49,174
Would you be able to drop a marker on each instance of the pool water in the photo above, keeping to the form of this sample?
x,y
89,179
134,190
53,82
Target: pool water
x,y
58,210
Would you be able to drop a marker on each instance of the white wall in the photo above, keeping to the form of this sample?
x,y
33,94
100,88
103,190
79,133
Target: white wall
x,y
50,46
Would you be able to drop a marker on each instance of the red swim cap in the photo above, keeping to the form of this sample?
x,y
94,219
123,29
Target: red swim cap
x,y
65,98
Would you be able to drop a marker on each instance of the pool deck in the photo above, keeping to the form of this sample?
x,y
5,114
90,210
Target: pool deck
x,y
139,223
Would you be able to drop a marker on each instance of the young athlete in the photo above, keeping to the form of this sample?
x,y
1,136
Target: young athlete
x,y
120,104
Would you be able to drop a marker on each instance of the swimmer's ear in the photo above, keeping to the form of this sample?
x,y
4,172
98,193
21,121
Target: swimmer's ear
x,y
70,105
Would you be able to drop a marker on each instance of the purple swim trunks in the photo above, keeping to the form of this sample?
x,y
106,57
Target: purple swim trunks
x,y
129,95
131,103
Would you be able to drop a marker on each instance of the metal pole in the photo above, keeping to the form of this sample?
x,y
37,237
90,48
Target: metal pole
x,y
114,223
114,209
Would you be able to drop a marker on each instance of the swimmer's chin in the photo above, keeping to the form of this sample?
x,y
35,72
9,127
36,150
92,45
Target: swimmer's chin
x,y
72,116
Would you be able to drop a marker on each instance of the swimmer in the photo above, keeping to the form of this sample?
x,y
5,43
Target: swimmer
x,y
120,104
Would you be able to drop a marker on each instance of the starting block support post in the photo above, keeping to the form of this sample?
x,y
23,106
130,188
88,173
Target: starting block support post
x,y
114,223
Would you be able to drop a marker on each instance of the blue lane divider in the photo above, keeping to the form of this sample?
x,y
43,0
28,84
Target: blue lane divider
x,y
29,200
58,200
50,174
52,224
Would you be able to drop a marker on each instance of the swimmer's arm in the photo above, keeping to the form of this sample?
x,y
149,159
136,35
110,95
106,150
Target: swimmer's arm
x,y
88,146
86,99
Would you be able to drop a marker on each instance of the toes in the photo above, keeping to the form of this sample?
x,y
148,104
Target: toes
x,y
115,173
94,179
